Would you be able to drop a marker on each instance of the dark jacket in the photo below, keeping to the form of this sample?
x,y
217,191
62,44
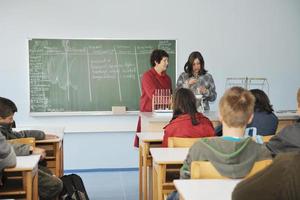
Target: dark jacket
x,y
21,149
7,154
287,140
265,123
279,181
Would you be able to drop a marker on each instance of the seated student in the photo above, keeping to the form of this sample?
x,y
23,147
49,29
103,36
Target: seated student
x,y
280,180
7,155
49,185
232,155
187,122
264,120
288,139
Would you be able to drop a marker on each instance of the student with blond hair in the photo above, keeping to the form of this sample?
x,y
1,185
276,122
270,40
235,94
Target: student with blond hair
x,y
232,155
281,180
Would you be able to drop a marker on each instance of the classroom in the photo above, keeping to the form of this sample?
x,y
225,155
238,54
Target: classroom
x,y
237,38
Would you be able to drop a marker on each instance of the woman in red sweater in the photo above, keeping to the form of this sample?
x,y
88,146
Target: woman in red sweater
x,y
187,122
153,79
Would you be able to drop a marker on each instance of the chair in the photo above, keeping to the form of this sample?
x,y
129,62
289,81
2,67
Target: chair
x,y
267,138
205,170
15,184
176,142
28,140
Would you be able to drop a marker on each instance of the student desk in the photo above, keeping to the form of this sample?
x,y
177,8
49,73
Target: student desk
x,y
285,119
54,154
162,158
195,189
147,140
28,165
155,122
53,147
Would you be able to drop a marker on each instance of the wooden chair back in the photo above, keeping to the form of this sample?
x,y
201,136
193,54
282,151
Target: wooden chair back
x,y
267,138
177,142
205,170
28,140
15,185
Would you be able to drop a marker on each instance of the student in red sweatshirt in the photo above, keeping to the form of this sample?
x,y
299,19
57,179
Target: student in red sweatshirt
x,y
154,78
187,122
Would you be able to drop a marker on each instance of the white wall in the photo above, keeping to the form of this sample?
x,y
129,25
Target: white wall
x,y
257,38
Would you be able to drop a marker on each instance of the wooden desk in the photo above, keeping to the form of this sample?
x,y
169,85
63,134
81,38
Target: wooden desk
x,y
162,158
53,147
147,140
285,119
54,154
155,122
192,189
28,165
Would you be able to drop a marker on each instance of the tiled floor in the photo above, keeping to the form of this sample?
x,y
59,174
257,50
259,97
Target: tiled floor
x,y
111,185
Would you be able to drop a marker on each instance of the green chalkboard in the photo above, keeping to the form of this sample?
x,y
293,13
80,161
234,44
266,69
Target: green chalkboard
x,y
81,75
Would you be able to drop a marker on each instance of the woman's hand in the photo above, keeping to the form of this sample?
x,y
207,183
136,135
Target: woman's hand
x,y
192,81
202,90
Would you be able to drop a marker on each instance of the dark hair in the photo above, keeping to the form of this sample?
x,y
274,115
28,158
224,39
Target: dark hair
x,y
157,55
185,103
7,107
262,102
188,67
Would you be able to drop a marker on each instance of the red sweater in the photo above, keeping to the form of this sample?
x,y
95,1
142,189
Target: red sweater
x,y
182,127
151,81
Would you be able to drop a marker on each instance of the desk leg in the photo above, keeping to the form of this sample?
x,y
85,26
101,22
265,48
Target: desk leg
x,y
61,159
57,150
161,177
140,172
154,183
145,171
35,184
28,178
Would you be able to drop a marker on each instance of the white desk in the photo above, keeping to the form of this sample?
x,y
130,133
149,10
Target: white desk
x,y
195,189
153,122
28,165
25,162
147,140
162,158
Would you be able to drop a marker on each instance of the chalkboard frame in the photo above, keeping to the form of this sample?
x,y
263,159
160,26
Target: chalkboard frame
x,y
95,113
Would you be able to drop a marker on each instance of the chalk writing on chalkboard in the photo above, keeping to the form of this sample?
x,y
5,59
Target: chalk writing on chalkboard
x,y
71,75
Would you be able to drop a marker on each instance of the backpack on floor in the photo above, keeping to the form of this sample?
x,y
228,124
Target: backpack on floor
x,y
73,188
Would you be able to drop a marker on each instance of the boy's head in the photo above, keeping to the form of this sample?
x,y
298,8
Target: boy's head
x,y
7,110
236,107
